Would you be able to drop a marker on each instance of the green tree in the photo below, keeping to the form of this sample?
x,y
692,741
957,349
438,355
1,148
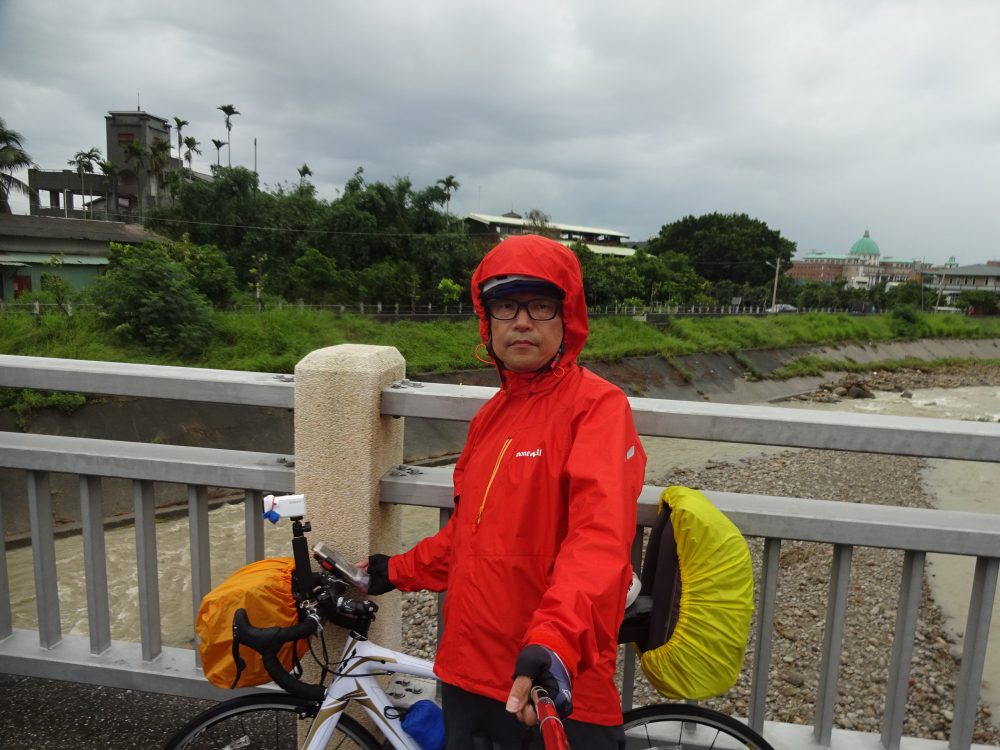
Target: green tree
x,y
315,278
55,285
218,150
668,279
148,297
368,224
159,155
816,294
304,172
220,212
229,111
389,282
211,274
191,144
180,126
259,278
136,152
449,185
84,162
538,220
449,291
110,171
606,281
726,246
982,301
909,293
13,158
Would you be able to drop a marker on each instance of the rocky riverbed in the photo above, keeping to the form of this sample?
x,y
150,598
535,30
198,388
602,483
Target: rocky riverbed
x,y
804,576
863,385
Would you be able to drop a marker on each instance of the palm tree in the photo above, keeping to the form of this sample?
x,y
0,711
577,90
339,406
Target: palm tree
x,y
229,111
180,126
13,157
84,162
192,149
136,152
159,155
304,172
110,171
448,184
218,150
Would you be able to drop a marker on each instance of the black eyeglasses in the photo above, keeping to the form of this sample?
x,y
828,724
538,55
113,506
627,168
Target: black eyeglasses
x,y
504,308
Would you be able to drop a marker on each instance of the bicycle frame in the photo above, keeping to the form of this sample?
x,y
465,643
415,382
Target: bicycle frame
x,y
361,662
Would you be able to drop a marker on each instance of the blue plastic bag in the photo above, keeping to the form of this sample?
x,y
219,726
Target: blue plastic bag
x,y
424,722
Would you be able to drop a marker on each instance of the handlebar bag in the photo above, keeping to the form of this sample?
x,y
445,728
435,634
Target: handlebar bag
x,y
695,646
264,590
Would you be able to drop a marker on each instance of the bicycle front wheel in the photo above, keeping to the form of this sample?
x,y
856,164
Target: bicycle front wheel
x,y
679,726
264,722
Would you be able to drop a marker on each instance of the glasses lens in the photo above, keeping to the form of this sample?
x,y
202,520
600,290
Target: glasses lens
x,y
542,309
508,309
503,309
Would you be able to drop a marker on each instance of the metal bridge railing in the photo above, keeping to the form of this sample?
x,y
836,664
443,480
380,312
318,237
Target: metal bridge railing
x,y
149,665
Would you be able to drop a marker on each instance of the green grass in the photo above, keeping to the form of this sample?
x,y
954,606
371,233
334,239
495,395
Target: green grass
x,y
811,365
275,340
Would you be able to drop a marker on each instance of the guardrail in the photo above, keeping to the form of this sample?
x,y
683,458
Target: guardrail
x,y
151,666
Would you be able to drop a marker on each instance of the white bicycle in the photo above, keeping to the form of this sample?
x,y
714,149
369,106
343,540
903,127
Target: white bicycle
x,y
269,720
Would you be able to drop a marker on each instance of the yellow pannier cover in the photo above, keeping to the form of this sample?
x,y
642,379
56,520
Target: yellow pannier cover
x,y
704,654
264,590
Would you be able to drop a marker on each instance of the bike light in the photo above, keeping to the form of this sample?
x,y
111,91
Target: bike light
x,y
284,506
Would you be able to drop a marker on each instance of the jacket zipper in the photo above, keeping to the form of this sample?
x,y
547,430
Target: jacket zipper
x,y
486,492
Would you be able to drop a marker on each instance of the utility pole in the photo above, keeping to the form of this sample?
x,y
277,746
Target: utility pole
x,y
774,294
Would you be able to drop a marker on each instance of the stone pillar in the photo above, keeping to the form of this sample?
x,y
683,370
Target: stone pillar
x,y
343,445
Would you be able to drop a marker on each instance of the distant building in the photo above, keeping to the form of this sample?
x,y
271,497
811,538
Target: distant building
x,y
491,229
73,249
124,196
862,267
951,279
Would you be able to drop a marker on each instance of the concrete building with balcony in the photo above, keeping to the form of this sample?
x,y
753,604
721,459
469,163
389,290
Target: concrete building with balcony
x,y
951,279
490,229
135,186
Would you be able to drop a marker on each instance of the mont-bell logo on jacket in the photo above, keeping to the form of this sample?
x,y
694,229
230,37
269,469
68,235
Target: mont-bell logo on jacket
x,y
529,454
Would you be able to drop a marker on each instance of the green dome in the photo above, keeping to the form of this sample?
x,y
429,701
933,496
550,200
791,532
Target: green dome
x,y
865,246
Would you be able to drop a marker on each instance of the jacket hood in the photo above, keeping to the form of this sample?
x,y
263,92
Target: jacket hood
x,y
532,255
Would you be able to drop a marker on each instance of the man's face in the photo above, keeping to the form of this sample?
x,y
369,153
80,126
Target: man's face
x,y
521,343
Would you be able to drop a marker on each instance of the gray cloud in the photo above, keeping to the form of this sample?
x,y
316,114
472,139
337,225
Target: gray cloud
x,y
821,118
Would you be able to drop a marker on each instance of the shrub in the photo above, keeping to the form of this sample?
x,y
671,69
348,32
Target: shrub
x,y
148,297
25,402
211,274
906,314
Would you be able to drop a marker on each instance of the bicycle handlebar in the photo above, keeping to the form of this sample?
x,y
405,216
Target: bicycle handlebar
x,y
549,723
268,641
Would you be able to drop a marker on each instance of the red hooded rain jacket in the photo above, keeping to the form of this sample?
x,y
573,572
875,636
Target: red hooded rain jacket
x,y
537,550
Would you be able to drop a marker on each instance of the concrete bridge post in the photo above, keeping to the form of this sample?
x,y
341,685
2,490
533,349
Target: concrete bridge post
x,y
343,445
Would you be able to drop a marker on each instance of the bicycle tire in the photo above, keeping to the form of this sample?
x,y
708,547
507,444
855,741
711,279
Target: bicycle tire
x,y
264,722
680,726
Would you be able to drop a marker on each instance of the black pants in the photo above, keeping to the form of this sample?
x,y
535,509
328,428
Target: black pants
x,y
473,722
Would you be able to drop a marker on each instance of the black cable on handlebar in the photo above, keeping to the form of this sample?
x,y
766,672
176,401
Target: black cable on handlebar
x,y
268,641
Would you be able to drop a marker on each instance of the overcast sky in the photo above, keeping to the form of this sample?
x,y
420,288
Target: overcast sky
x,y
819,117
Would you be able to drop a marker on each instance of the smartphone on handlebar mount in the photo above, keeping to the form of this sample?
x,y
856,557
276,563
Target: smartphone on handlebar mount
x,y
334,562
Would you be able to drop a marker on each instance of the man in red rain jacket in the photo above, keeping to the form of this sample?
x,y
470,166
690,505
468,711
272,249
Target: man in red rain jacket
x,y
535,558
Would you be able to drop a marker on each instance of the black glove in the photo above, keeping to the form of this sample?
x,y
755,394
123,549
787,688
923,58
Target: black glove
x,y
546,669
378,575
